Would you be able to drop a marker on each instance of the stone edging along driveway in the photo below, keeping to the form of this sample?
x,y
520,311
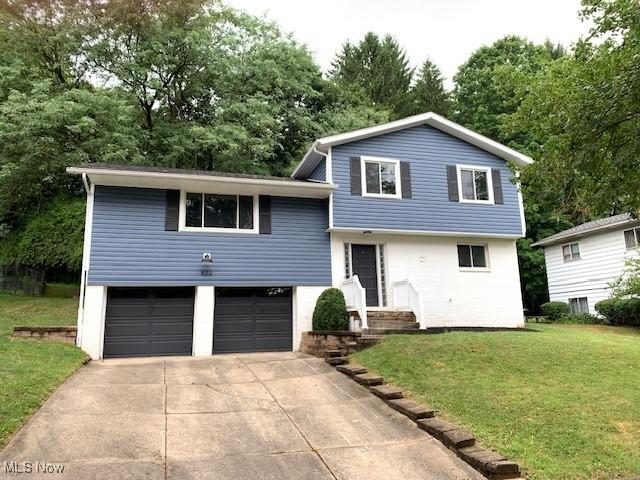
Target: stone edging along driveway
x,y
488,462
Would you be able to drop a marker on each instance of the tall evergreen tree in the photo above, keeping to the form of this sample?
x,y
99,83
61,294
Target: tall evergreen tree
x,y
428,94
377,67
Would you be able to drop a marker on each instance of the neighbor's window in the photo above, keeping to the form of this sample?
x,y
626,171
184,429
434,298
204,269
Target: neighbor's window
x,y
571,251
381,177
578,305
474,184
472,256
632,238
219,211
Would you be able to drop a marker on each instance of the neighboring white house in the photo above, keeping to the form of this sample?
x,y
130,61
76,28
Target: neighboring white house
x,y
584,260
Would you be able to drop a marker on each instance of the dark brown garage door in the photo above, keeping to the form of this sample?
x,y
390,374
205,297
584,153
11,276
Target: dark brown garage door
x,y
252,320
148,321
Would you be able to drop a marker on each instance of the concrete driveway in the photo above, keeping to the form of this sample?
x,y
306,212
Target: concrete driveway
x,y
268,416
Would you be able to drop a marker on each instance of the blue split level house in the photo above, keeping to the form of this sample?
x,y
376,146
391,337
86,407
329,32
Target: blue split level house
x,y
419,216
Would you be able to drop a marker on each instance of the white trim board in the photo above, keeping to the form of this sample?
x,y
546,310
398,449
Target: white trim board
x,y
320,147
430,233
204,183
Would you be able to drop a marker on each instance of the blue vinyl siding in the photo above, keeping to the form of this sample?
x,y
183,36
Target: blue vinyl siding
x,y
320,172
129,245
429,151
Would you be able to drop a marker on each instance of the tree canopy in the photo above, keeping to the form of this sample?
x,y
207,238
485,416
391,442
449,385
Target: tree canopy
x,y
196,84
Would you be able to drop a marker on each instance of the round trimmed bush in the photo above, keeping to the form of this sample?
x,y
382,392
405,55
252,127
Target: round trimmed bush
x,y
554,311
331,311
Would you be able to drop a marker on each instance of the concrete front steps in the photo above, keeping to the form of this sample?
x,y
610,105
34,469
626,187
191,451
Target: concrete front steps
x,y
382,322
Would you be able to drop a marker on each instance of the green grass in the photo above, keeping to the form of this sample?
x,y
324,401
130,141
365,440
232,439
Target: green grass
x,y
61,290
31,369
563,401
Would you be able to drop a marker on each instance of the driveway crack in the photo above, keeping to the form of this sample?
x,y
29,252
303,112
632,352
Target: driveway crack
x,y
313,449
164,384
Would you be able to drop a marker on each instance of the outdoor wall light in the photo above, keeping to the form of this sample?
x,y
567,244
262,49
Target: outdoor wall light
x,y
207,258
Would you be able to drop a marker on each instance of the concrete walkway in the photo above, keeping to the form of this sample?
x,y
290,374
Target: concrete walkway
x,y
269,416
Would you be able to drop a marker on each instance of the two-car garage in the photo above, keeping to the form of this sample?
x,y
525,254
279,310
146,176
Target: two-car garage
x,y
159,320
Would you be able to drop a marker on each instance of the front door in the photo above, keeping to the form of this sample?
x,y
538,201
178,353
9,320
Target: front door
x,y
363,264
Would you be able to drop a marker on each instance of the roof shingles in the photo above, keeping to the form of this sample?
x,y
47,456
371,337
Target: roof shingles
x,y
586,228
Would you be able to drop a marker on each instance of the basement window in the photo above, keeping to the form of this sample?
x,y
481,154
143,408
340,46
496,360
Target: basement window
x,y
578,305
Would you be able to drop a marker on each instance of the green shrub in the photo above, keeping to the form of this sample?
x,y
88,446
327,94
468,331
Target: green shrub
x,y
606,308
331,311
580,318
554,311
620,311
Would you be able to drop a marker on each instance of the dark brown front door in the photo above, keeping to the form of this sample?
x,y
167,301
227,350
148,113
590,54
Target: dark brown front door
x,y
363,264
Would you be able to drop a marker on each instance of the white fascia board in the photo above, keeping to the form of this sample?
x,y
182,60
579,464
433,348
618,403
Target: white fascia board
x,y
204,183
432,119
430,233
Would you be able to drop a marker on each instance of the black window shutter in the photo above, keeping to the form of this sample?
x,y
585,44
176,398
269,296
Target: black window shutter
x,y
497,186
356,176
265,214
405,179
171,210
452,181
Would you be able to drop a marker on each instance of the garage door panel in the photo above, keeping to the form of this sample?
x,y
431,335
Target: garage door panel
x,y
172,310
252,320
127,310
125,329
172,328
162,346
273,343
233,307
238,327
262,309
148,321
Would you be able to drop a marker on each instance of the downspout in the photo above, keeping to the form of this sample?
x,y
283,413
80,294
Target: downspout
x,y
85,256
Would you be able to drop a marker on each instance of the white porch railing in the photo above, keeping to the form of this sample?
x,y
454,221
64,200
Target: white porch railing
x,y
356,299
406,296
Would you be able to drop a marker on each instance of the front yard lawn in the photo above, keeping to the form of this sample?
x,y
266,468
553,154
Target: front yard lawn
x,y
563,401
31,369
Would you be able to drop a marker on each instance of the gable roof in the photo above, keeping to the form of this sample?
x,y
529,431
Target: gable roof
x,y
600,225
320,147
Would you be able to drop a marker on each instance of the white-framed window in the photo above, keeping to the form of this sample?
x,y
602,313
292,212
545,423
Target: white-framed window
x,y
380,177
578,305
632,238
215,212
473,257
571,252
474,184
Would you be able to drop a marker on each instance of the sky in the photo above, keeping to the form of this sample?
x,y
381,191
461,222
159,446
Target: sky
x,y
446,31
